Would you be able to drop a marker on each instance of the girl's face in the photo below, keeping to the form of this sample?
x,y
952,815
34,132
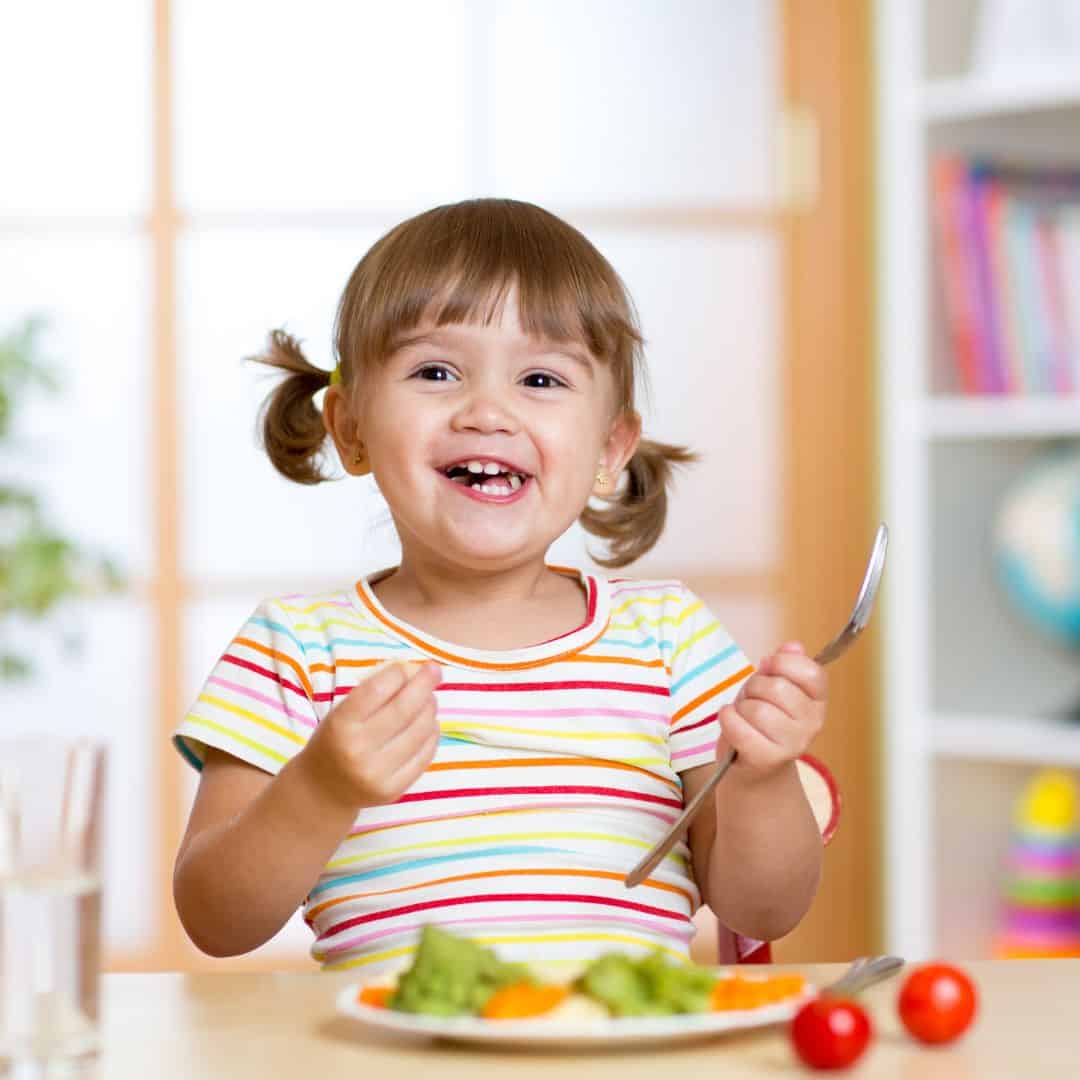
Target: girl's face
x,y
538,416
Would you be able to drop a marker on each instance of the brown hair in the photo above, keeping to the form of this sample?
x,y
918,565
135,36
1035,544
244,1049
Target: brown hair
x,y
455,264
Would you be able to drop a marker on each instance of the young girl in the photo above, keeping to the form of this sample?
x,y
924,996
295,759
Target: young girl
x,y
549,722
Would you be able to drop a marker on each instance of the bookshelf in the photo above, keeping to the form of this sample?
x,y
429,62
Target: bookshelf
x,y
954,417
962,99
971,698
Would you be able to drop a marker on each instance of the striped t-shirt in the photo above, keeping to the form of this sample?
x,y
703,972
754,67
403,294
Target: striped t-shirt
x,y
557,768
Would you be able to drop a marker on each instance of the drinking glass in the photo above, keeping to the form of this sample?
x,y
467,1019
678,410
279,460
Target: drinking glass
x,y
51,840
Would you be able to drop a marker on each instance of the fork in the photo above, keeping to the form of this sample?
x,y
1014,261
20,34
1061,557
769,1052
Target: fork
x,y
860,616
864,971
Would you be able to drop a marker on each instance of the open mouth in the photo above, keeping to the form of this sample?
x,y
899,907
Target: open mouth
x,y
489,477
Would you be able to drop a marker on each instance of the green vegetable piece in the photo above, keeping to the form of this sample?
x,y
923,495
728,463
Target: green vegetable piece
x,y
650,986
614,980
452,976
677,988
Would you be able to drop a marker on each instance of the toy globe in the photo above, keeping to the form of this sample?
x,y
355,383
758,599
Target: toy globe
x,y
1036,540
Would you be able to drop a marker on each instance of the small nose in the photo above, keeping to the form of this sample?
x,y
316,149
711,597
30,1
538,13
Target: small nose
x,y
484,411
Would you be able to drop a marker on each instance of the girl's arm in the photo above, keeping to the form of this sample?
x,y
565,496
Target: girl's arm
x,y
757,854
256,844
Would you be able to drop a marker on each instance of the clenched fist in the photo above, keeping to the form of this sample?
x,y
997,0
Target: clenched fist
x,y
377,742
777,714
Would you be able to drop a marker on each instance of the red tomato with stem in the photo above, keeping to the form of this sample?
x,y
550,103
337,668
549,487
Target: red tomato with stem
x,y
830,1033
937,1002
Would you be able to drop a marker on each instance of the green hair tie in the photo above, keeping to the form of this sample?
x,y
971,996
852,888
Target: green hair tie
x,y
335,375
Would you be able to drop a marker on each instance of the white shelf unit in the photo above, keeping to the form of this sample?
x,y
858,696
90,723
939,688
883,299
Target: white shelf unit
x,y
948,417
976,99
1031,740
972,701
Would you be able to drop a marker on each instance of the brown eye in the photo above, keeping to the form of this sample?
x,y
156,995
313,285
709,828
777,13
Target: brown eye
x,y
551,382
432,373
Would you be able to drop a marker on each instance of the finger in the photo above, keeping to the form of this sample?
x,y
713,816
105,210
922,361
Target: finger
x,y
382,763
405,743
402,709
767,719
410,770
377,687
806,673
753,747
778,691
793,733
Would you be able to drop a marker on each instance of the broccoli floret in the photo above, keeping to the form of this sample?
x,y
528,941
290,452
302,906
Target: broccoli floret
x,y
452,976
614,980
650,986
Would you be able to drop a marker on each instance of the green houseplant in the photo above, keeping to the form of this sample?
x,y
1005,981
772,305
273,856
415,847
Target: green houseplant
x,y
39,567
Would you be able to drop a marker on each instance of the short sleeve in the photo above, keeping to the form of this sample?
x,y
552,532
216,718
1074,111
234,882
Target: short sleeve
x,y
257,703
707,670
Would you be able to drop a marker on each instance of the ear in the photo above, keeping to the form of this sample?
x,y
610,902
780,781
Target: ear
x,y
345,431
623,439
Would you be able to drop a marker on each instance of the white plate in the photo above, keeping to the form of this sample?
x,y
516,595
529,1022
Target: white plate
x,y
552,1035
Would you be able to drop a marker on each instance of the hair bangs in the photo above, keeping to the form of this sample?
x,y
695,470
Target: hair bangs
x,y
461,263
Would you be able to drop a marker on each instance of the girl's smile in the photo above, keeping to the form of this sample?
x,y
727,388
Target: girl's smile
x,y
488,480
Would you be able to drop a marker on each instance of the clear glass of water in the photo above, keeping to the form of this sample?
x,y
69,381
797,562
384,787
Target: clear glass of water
x,y
51,846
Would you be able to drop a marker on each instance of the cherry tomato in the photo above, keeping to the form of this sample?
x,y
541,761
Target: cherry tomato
x,y
937,1002
830,1033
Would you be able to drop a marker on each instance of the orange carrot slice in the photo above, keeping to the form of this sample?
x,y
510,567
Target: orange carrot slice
x,y
378,997
520,1000
739,993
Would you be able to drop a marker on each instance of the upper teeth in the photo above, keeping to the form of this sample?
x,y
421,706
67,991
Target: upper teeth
x,y
487,468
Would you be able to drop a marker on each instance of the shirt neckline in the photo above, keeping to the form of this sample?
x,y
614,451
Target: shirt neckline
x,y
598,599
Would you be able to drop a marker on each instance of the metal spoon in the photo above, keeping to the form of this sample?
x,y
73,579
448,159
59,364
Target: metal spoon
x,y
860,616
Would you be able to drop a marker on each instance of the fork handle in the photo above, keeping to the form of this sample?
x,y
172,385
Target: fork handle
x,y
862,975
656,855
838,646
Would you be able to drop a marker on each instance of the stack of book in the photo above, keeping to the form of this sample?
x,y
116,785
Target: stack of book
x,y
1008,255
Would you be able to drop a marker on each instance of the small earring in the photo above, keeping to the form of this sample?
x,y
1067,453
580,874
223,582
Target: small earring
x,y
602,477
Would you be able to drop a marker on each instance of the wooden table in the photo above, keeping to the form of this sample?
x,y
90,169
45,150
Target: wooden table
x,y
180,1027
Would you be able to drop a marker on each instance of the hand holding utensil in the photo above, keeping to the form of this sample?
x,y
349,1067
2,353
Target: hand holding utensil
x,y
860,616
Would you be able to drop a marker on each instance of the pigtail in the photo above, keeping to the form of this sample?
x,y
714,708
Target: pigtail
x,y
634,516
291,428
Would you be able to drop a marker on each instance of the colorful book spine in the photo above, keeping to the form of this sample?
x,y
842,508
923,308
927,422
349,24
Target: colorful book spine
x,y
1007,247
1036,361
978,220
956,274
1068,235
1003,229
1053,313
